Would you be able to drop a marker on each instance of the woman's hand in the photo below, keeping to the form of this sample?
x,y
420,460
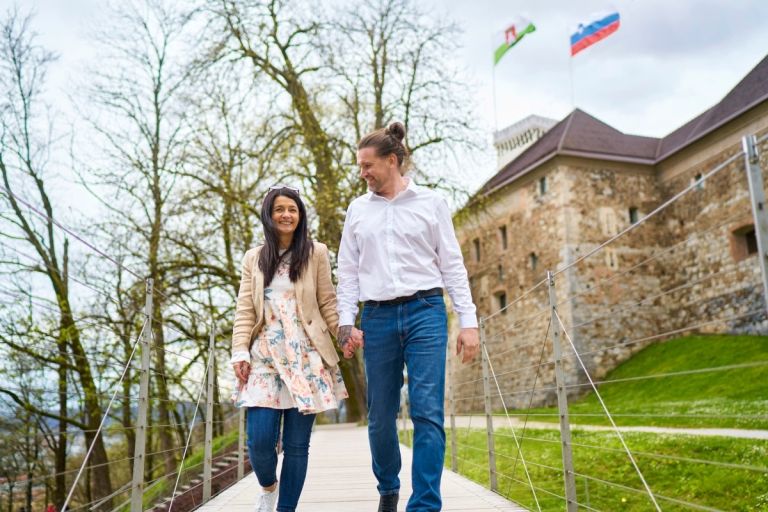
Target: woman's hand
x,y
350,338
242,369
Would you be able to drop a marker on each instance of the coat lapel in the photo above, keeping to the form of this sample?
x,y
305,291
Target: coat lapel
x,y
298,287
303,282
258,287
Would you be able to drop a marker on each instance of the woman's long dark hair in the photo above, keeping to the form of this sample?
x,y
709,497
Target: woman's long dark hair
x,y
301,245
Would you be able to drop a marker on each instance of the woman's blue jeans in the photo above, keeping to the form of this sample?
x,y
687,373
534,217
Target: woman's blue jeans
x,y
413,334
263,432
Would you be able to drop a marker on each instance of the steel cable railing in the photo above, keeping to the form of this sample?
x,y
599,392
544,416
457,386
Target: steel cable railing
x,y
686,504
172,378
517,443
654,212
608,414
655,256
101,424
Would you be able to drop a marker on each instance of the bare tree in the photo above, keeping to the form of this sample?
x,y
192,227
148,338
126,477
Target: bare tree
x,y
25,140
140,128
390,60
235,148
356,70
23,454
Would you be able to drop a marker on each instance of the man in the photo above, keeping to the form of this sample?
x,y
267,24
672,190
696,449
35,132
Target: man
x,y
398,250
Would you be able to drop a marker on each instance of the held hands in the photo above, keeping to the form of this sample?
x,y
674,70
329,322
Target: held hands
x,y
350,339
469,342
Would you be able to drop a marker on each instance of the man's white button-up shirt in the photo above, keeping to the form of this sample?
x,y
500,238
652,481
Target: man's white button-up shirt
x,y
394,248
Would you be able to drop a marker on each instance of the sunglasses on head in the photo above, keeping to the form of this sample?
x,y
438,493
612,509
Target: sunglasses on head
x,y
280,186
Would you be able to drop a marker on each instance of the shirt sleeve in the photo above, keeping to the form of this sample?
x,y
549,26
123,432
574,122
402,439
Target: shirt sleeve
x,y
348,291
452,268
240,355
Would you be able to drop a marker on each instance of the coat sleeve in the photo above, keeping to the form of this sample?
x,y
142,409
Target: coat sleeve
x,y
326,294
245,314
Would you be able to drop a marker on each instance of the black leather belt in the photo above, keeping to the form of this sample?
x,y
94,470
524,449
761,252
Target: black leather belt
x,y
400,300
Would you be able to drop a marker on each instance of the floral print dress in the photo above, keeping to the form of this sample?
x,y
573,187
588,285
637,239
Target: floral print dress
x,y
286,370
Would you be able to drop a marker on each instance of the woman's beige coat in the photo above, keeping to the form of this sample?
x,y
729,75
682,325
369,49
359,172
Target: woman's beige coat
x,y
315,298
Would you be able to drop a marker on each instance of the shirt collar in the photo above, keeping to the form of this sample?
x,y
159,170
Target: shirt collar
x,y
411,189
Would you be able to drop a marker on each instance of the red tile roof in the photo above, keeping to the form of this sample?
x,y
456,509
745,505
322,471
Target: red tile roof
x,y
581,134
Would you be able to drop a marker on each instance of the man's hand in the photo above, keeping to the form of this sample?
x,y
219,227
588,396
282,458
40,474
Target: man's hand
x,y
242,369
469,342
350,339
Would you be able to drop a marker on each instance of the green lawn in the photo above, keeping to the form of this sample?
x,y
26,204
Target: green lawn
x,y
733,398
718,473
602,467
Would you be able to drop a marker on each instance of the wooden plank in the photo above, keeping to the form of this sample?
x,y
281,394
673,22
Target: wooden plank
x,y
339,479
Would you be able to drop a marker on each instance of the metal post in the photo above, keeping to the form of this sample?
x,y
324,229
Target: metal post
x,y
757,196
494,484
241,444
208,447
452,415
562,403
139,452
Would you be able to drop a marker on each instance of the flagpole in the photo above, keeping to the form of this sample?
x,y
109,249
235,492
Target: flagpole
x,y
493,87
570,73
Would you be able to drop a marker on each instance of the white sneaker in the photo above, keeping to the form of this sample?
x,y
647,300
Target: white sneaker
x,y
267,501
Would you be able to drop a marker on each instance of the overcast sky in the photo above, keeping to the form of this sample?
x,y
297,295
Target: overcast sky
x,y
669,61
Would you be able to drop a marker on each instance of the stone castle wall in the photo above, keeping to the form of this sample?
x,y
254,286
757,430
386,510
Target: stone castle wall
x,y
686,269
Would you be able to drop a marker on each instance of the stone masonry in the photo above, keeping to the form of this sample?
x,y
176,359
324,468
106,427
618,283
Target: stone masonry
x,y
691,267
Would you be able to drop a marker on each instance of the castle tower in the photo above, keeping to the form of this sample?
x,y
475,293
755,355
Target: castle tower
x,y
515,138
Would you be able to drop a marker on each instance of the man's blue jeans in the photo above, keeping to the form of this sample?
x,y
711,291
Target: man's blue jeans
x,y
413,334
263,430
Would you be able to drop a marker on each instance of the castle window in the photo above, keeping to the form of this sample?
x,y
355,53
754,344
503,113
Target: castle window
x,y
633,215
743,242
501,272
533,260
751,240
542,185
699,181
503,237
501,302
476,246
611,261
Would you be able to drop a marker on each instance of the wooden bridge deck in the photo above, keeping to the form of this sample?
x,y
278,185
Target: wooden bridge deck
x,y
339,479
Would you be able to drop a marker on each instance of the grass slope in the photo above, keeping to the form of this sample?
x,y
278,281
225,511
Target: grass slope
x,y
734,398
683,472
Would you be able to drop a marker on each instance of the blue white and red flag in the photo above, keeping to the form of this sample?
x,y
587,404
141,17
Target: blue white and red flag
x,y
599,27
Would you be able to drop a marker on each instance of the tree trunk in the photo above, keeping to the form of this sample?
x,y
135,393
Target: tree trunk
x,y
165,431
331,222
60,455
102,484
218,413
130,434
10,496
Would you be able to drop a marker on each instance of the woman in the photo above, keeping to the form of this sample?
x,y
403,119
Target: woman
x,y
282,353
